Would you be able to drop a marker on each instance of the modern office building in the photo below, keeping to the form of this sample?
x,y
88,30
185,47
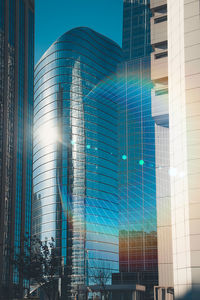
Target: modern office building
x,y
137,189
160,113
175,33
184,96
136,29
138,221
75,150
16,104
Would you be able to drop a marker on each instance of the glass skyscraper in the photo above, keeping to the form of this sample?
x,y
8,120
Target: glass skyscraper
x,y
75,161
137,177
138,246
16,105
136,40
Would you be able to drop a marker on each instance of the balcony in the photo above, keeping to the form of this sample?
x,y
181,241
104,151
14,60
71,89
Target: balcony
x,y
159,106
159,67
158,30
157,3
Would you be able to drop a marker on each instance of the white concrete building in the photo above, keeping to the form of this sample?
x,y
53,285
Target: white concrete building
x,y
184,120
160,112
180,25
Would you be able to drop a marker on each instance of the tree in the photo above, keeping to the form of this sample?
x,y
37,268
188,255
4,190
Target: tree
x,y
40,264
101,278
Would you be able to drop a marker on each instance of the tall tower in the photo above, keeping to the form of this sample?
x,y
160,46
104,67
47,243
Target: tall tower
x,y
75,154
184,110
175,40
138,223
160,113
16,107
136,40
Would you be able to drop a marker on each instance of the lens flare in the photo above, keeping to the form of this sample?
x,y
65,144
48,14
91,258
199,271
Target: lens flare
x,y
124,157
141,162
172,172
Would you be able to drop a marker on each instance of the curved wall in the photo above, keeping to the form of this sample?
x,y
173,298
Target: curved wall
x,y
75,153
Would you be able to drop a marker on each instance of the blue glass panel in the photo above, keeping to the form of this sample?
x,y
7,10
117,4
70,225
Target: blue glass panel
x,y
138,239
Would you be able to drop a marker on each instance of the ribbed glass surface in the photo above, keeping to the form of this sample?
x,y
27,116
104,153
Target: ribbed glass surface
x,y
136,29
137,189
75,153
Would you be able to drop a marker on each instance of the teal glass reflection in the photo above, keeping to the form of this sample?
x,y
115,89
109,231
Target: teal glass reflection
x,y
75,131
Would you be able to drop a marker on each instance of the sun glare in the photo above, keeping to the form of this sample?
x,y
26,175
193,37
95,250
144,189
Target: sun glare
x,y
48,134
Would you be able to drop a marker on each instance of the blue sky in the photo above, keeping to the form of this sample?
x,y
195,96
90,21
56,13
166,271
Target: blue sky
x,y
55,17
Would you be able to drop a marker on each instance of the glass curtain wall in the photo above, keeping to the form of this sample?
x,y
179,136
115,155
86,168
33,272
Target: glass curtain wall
x,y
137,178
136,29
138,228
16,110
75,154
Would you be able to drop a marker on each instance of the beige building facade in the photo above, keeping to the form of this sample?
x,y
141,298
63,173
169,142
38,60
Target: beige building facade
x,y
175,38
184,119
160,113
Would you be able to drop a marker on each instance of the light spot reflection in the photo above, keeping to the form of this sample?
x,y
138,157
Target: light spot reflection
x,y
48,134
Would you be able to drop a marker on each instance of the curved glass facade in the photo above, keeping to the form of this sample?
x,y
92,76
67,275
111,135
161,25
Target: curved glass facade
x,y
75,153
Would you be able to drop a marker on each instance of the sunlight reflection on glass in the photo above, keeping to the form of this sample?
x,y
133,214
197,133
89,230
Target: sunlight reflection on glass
x,y
48,135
